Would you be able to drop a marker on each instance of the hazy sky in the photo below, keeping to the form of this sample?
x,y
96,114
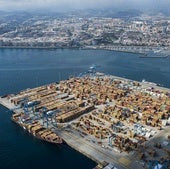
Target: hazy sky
x,y
81,4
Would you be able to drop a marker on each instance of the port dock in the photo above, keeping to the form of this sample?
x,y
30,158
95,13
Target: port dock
x,y
112,120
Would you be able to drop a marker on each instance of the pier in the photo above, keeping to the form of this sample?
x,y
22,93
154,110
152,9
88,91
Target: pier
x,y
107,118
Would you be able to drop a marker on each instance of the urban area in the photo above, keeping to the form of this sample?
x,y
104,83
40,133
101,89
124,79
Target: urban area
x,y
79,31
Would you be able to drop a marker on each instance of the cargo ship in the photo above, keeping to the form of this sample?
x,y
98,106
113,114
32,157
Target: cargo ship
x,y
36,129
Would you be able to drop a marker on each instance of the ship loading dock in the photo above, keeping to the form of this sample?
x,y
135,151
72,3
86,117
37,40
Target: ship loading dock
x,y
122,122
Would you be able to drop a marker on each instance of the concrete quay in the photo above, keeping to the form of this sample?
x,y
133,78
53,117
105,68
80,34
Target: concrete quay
x,y
6,103
94,151
142,83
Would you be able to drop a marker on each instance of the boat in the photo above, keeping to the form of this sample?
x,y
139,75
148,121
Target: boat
x,y
150,83
36,129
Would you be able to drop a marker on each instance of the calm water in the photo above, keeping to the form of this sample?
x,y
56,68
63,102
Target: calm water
x,y
27,68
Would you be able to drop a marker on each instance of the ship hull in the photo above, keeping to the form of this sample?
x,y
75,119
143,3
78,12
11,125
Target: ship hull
x,y
38,136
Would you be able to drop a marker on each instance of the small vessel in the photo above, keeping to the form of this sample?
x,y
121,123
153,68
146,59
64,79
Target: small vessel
x,y
157,51
36,129
150,83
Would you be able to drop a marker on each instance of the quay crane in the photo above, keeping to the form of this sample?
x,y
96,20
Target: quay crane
x,y
49,115
29,104
23,103
32,105
111,138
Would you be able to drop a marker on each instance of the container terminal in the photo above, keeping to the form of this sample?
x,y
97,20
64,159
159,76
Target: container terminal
x,y
117,122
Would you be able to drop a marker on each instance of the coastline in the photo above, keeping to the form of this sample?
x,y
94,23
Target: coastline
x,y
24,47
115,48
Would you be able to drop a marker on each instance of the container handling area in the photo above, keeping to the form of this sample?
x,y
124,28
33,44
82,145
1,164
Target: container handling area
x,y
117,122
